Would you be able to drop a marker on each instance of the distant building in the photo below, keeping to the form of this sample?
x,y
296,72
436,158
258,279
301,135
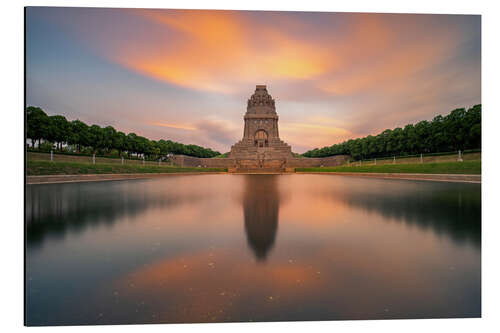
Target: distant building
x,y
260,135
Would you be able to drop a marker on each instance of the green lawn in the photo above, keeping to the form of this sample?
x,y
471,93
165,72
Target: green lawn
x,y
466,167
35,168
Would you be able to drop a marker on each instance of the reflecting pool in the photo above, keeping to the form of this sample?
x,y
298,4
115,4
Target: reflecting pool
x,y
217,248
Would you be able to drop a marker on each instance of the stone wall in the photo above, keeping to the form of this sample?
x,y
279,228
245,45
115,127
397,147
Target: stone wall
x,y
249,164
185,161
217,162
307,162
189,161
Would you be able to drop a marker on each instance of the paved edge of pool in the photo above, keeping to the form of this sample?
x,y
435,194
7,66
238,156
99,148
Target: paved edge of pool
x,y
459,178
55,179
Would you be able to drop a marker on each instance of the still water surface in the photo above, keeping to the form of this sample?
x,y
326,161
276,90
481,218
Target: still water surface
x,y
215,248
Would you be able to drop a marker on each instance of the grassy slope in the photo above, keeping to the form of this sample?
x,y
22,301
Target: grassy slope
x,y
466,167
71,168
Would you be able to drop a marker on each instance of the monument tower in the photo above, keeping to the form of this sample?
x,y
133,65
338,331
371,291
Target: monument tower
x,y
261,139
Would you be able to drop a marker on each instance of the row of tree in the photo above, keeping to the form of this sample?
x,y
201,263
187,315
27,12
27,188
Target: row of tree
x,y
459,130
58,130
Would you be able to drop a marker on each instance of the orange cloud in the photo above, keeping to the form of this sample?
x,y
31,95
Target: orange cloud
x,y
205,38
381,57
214,49
313,134
184,127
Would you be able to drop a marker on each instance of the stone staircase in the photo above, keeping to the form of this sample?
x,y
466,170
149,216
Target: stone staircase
x,y
259,166
258,171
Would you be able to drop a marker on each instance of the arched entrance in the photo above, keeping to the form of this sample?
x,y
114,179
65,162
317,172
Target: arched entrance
x,y
260,139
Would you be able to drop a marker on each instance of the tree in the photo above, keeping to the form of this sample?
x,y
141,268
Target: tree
x,y
108,134
131,144
37,123
58,130
119,142
79,134
459,130
96,138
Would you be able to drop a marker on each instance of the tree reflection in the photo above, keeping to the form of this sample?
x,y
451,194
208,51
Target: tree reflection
x,y
261,201
56,209
452,210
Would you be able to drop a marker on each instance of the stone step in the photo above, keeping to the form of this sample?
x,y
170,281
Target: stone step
x,y
258,170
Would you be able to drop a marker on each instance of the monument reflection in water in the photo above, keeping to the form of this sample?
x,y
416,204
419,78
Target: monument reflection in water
x,y
216,248
261,202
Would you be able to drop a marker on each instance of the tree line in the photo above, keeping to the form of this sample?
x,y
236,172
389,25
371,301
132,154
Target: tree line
x,y
83,138
459,130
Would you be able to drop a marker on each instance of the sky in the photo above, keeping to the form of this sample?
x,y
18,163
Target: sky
x,y
186,75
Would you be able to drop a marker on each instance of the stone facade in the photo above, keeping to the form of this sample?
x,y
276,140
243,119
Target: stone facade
x,y
260,149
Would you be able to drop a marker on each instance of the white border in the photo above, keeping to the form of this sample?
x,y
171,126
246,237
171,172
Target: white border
x,y
12,160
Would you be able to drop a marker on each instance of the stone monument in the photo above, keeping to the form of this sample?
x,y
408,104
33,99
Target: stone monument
x,y
261,149
261,141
